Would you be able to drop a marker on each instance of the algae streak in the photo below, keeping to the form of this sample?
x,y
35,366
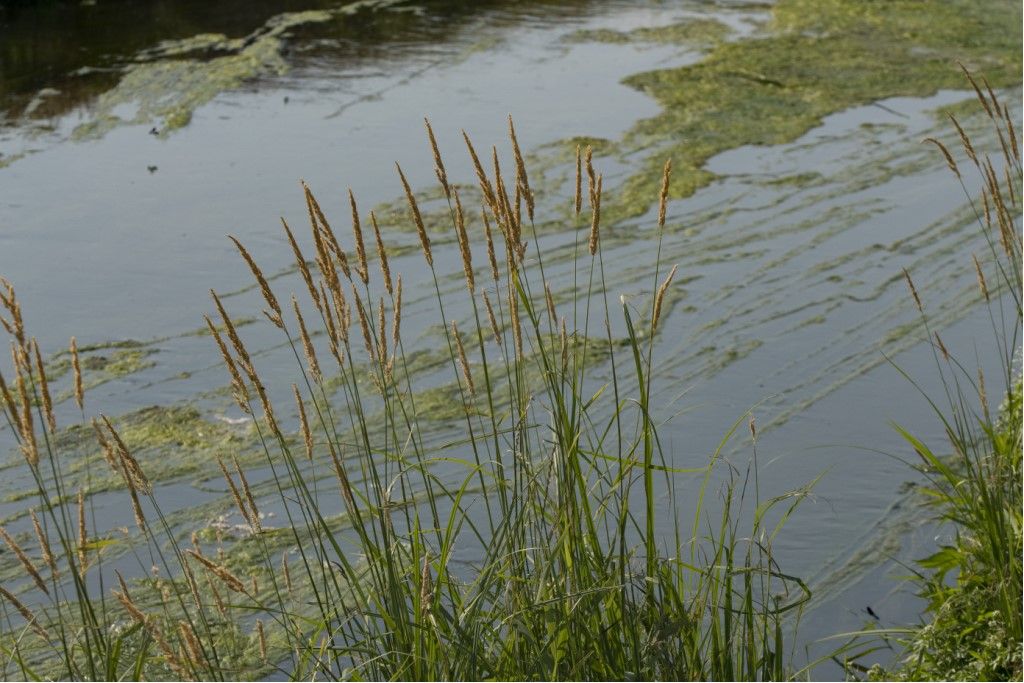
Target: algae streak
x,y
817,57
172,80
698,32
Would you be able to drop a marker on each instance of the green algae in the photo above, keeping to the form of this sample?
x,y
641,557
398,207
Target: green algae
x,y
170,81
694,31
815,59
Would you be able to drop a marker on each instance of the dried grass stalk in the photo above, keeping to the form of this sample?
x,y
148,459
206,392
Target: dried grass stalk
x,y
25,613
421,230
26,563
239,390
396,322
442,176
491,257
492,320
666,177
274,314
300,262
660,297
945,153
522,181
362,269
221,572
249,497
981,277
913,291
307,435
44,544
464,250
463,362
382,254
44,387
76,368
307,344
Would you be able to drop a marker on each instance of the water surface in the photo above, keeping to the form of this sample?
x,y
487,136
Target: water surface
x,y
113,219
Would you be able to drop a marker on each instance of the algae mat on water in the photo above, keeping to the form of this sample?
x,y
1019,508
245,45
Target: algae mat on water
x,y
815,58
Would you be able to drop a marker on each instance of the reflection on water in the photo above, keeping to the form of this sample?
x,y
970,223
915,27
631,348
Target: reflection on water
x,y
106,36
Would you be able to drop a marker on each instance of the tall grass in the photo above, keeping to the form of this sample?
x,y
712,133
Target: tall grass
x,y
973,583
536,536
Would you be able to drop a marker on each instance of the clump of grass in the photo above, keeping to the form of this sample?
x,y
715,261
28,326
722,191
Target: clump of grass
x,y
536,537
973,583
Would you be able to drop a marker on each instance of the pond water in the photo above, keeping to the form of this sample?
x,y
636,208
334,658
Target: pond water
x,y
135,135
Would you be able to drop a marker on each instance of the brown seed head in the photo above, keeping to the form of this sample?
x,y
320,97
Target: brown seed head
x,y
945,153
981,277
238,388
8,400
595,216
249,498
286,571
464,250
439,171
83,535
229,326
44,387
44,543
25,613
493,321
76,369
300,261
521,178
261,637
307,436
964,140
666,177
913,290
274,314
421,230
396,323
26,426
236,495
382,332
26,563
362,269
942,347
221,572
660,296
491,257
382,254
364,325
485,185
307,344
550,303
463,362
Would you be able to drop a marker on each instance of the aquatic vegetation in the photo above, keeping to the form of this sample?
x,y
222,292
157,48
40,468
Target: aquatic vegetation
x,y
812,60
171,80
694,31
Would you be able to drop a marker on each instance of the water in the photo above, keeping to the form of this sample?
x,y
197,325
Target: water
x,y
790,297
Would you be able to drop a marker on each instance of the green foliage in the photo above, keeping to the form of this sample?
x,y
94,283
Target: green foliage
x,y
973,585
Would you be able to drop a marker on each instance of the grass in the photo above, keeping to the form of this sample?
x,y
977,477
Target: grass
x,y
539,536
972,584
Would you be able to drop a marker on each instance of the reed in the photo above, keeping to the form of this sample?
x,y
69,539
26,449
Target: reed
x,y
548,483
973,582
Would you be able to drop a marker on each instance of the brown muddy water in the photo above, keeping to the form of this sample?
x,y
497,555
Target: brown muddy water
x,y
135,135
